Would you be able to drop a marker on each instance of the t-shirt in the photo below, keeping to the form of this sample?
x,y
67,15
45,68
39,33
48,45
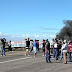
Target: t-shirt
x,y
48,46
27,43
31,43
35,44
55,45
64,47
51,42
70,47
43,44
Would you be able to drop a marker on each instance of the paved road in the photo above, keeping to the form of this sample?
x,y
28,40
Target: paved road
x,y
21,63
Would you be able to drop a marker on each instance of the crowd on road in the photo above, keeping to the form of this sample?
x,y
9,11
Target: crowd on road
x,y
59,48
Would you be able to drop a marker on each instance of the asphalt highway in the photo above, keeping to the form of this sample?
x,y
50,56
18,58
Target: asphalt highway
x,y
17,62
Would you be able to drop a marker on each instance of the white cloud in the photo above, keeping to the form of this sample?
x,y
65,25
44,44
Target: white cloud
x,y
36,36
44,35
19,37
52,36
27,35
13,36
23,35
0,33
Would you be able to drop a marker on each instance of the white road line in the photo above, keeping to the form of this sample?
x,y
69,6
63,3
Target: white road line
x,y
15,60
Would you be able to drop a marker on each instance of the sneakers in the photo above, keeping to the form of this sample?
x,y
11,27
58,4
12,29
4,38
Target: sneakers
x,y
48,62
43,55
34,56
1,55
57,59
65,63
28,55
60,59
25,54
4,55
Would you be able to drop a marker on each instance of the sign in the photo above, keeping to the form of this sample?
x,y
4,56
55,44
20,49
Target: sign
x,y
70,48
18,44
22,44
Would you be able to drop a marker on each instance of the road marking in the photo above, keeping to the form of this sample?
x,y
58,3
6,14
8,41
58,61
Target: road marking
x,y
15,60
15,54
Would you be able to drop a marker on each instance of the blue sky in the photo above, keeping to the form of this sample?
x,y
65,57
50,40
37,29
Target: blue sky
x,y
34,18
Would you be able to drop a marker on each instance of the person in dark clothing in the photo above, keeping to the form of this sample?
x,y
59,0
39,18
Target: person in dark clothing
x,y
47,51
59,48
43,48
38,45
3,48
27,47
10,49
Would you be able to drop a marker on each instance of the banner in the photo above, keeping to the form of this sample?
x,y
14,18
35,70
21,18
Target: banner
x,y
22,44
18,44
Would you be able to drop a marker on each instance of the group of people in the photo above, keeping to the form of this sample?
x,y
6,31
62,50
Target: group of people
x,y
2,46
59,48
33,45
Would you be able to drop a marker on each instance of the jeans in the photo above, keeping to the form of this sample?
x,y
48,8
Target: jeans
x,y
53,53
2,51
31,48
61,55
56,53
47,57
70,59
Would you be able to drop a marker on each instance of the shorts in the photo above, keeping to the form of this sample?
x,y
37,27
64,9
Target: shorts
x,y
27,50
65,51
34,49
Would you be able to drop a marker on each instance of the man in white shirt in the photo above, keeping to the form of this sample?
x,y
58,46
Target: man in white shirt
x,y
52,45
56,50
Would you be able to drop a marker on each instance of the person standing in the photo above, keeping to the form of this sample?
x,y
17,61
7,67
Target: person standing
x,y
3,47
10,49
61,55
52,45
27,47
38,45
35,48
43,47
47,51
56,50
31,45
64,49
70,51
59,48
